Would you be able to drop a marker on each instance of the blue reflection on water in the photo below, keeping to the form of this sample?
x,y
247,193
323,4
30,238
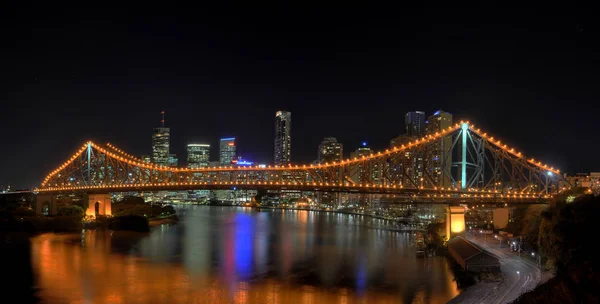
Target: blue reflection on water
x,y
244,234
361,275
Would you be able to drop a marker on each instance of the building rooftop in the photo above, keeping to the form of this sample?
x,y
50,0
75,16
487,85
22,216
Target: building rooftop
x,y
463,247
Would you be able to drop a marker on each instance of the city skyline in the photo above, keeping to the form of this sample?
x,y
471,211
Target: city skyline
x,y
353,79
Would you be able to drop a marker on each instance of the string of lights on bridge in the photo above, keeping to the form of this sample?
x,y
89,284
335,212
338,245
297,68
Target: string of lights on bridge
x,y
443,192
131,160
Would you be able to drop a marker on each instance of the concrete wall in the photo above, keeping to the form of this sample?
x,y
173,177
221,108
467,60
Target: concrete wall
x,y
500,218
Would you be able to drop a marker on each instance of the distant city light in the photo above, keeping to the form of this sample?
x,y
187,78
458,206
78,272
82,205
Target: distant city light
x,y
364,143
550,173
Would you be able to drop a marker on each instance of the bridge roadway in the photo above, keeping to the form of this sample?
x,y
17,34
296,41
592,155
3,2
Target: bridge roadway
x,y
392,193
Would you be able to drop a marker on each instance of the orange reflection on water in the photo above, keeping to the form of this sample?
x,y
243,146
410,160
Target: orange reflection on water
x,y
85,269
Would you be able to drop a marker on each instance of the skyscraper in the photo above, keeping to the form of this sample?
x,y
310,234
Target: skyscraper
x,y
227,151
358,176
172,160
160,143
414,122
283,137
438,157
406,167
198,155
330,150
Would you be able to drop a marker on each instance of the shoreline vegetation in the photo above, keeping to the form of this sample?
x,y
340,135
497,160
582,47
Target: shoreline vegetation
x,y
128,215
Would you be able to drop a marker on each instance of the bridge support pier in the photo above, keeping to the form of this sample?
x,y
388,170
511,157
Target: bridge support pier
x,y
500,218
99,204
45,204
455,221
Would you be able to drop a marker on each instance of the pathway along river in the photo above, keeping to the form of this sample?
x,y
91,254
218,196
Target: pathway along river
x,y
240,255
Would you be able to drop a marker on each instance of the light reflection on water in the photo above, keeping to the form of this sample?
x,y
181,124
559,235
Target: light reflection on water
x,y
240,255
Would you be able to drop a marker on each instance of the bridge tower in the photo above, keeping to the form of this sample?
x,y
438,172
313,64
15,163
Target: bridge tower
x,y
455,221
45,204
99,204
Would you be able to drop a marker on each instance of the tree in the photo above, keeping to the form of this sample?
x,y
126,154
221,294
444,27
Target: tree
x,y
168,209
71,210
132,200
532,219
566,237
138,209
24,211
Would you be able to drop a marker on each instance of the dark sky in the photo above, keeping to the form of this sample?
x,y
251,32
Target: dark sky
x,y
529,77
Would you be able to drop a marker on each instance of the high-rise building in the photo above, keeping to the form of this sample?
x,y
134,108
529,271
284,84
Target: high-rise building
x,y
172,160
360,176
227,151
160,143
414,122
438,158
146,158
330,150
283,137
407,167
198,155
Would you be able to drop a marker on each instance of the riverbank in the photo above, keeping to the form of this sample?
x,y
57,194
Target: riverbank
x,y
165,220
520,274
344,212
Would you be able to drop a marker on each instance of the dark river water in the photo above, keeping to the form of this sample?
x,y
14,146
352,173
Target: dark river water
x,y
241,255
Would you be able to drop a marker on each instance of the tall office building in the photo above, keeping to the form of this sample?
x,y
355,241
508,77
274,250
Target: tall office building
x,y
330,150
160,143
406,167
438,157
360,176
173,161
146,158
283,137
198,155
414,122
226,151
376,168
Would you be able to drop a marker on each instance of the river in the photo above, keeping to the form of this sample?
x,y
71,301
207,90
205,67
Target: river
x,y
240,255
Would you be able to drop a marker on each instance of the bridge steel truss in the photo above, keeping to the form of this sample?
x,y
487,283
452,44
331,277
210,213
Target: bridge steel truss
x,y
474,167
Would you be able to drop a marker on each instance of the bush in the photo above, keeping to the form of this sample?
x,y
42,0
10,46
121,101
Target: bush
x,y
130,222
67,223
133,209
168,209
24,211
71,210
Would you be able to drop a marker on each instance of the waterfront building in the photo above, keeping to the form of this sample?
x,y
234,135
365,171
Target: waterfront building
x,y
329,150
146,158
198,155
283,137
172,160
160,143
414,123
438,156
226,151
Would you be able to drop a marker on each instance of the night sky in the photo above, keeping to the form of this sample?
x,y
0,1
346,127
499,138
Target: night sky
x,y
530,78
